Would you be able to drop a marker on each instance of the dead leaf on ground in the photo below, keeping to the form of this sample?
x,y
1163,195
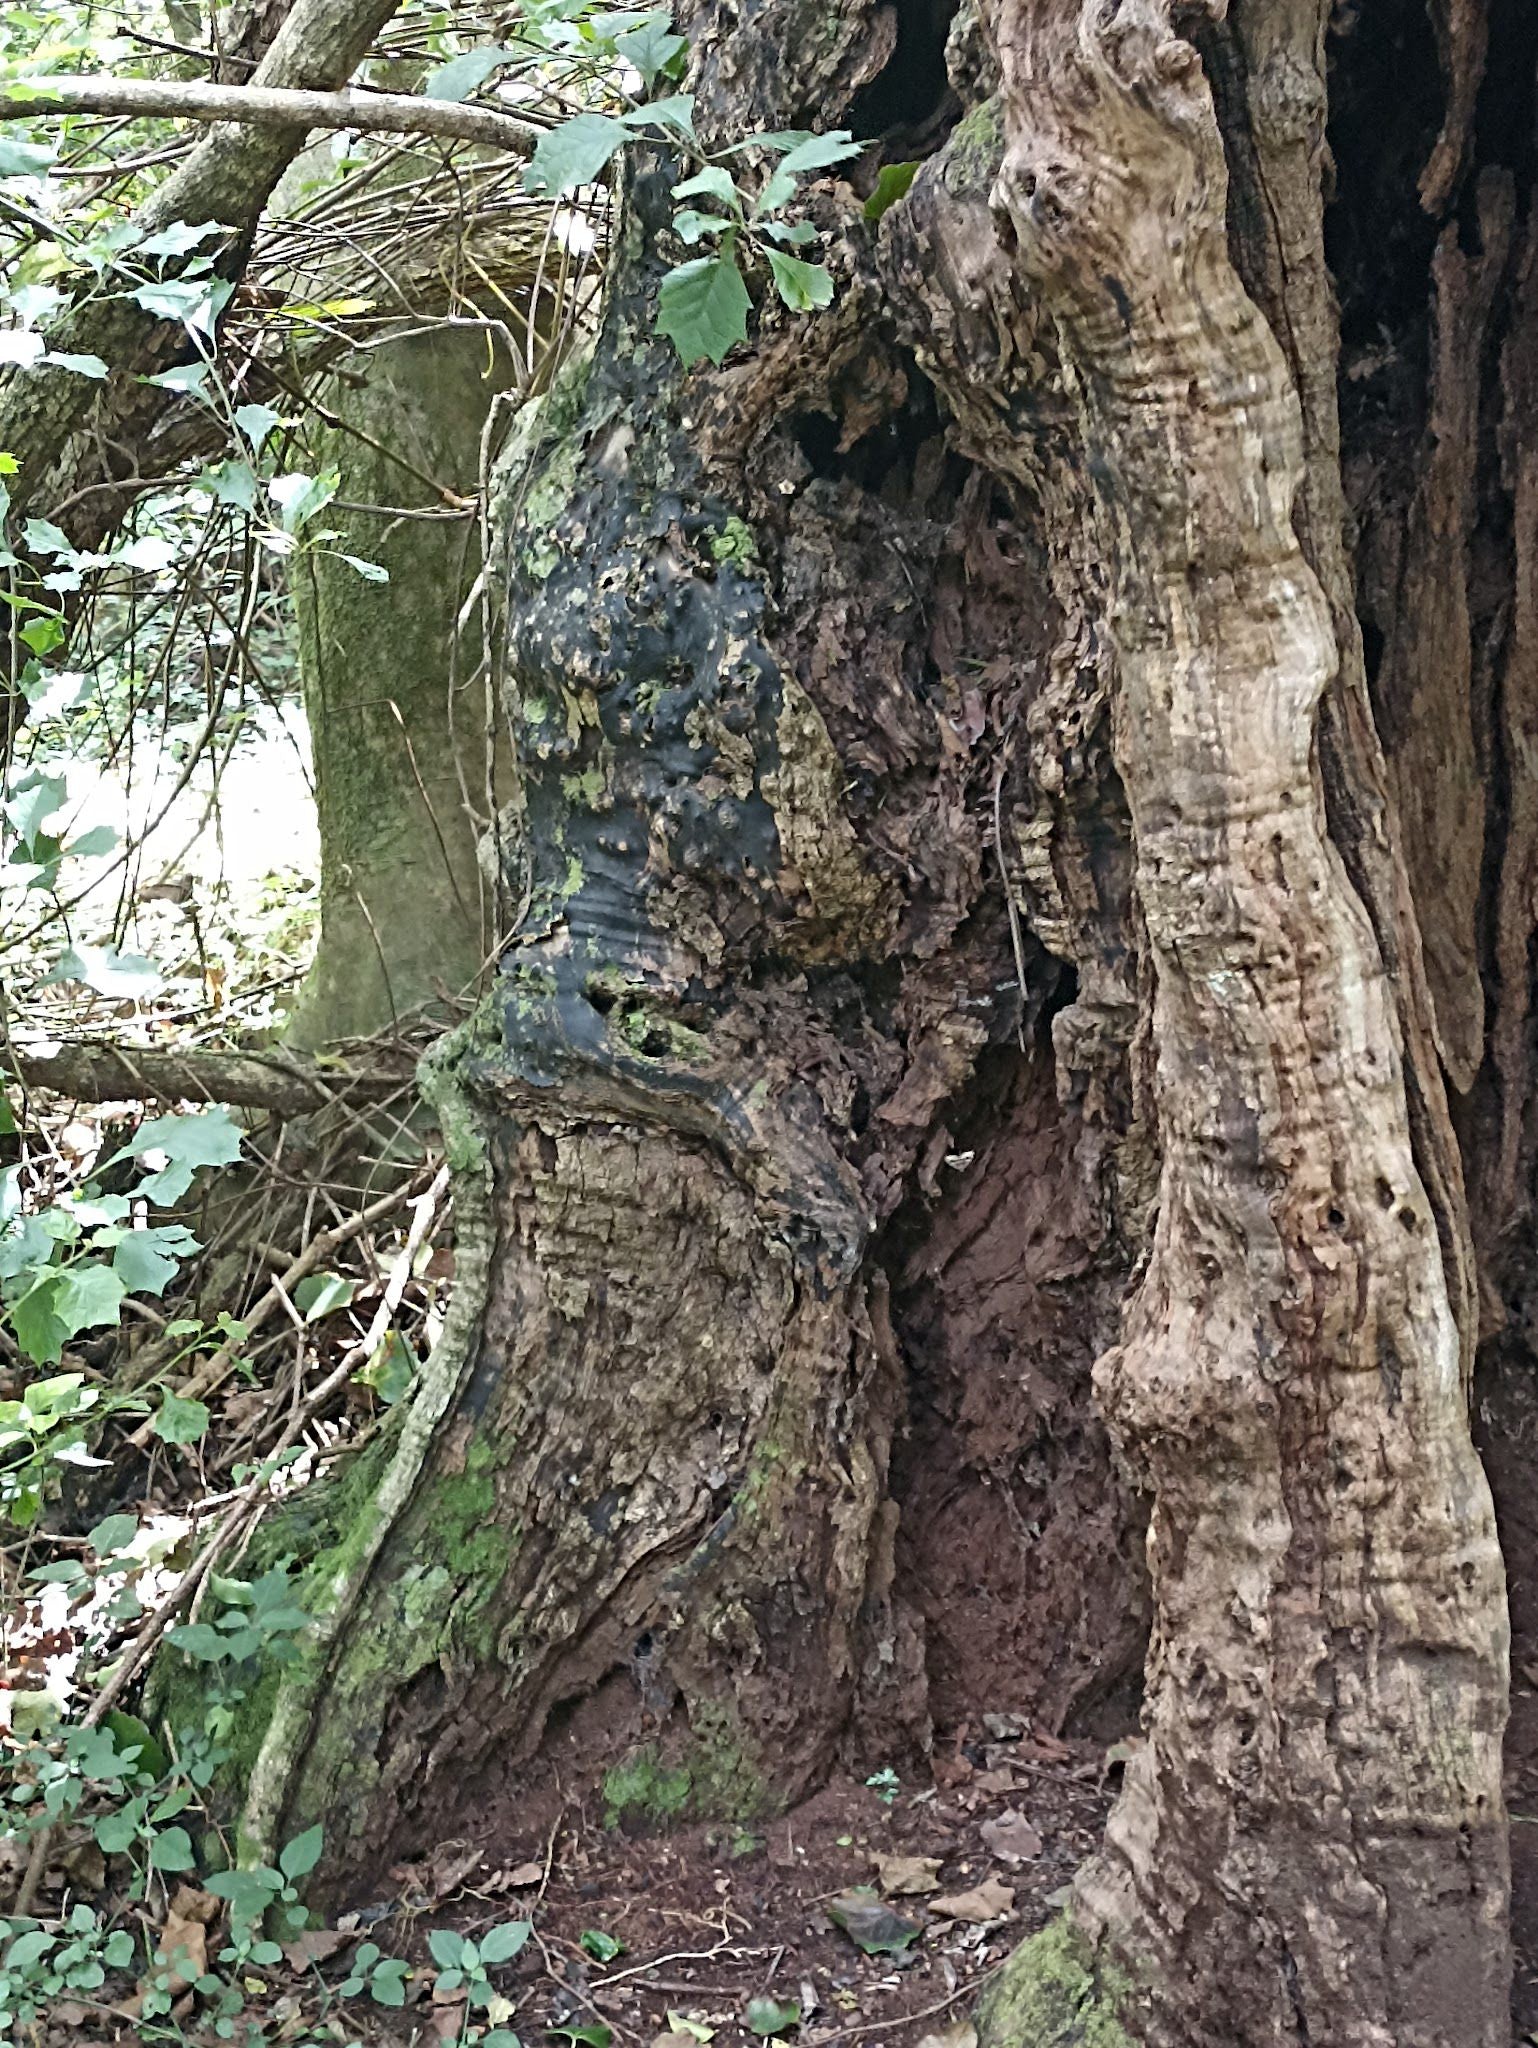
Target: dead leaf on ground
x,y
871,1926
515,1880
987,1901
318,1945
962,2035
995,1781
183,1943
1011,1837
950,1771
671,2040
905,1876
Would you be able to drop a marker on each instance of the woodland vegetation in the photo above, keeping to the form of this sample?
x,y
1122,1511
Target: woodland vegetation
x,y
767,980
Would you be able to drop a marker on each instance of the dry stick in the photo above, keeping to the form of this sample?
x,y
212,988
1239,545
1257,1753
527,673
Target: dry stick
x,y
267,106
221,1363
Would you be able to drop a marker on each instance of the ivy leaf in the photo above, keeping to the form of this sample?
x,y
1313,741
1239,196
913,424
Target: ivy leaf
x,y
573,155
256,422
35,804
34,1324
466,73
146,1261
387,1986
202,1138
803,286
179,1421
87,1297
702,307
171,1849
24,159
652,47
177,238
603,1948
445,1947
714,182
674,114
892,183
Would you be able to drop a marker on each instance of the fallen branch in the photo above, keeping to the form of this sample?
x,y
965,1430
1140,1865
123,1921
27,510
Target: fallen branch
x,y
279,1082
258,106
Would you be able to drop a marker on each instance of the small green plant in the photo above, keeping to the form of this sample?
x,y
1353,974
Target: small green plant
x,y
40,1967
886,1784
465,1965
382,1977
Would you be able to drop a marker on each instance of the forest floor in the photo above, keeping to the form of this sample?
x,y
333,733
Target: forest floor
x,y
875,1913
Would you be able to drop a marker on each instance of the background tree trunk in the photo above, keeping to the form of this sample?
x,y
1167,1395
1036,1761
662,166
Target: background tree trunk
x,y
393,692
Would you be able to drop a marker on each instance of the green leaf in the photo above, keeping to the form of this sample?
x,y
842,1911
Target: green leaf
x,y
713,182
573,155
179,1421
24,159
256,422
813,152
91,845
319,1293
124,976
466,73
767,2017
892,183
387,1986
116,1833
231,483
652,47
35,1326
7,1119
130,1734
199,1640
502,1943
302,1854
445,1947
200,1138
249,1892
371,572
803,286
702,307
83,366
171,1849
87,1297
299,497
146,1261
589,2033
113,1534
674,115
35,801
691,227
177,239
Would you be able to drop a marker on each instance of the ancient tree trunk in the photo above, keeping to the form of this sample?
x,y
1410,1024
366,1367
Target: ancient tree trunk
x,y
1311,1843
393,688
767,641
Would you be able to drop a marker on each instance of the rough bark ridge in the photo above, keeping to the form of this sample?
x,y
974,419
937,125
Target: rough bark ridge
x,y
1311,1844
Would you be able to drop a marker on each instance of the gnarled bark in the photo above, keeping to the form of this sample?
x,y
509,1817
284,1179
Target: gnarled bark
x,y
1304,1849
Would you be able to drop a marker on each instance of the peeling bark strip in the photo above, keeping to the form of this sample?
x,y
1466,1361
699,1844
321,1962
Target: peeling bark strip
x,y
1311,1846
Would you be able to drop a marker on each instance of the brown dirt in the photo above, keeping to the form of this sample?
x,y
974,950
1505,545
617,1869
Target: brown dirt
x,y
713,1915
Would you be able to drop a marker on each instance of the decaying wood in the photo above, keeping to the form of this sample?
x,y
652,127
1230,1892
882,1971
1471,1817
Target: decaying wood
x,y
1299,1851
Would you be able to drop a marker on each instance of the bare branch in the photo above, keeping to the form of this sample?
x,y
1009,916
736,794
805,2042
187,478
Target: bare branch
x,y
280,1082
387,113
